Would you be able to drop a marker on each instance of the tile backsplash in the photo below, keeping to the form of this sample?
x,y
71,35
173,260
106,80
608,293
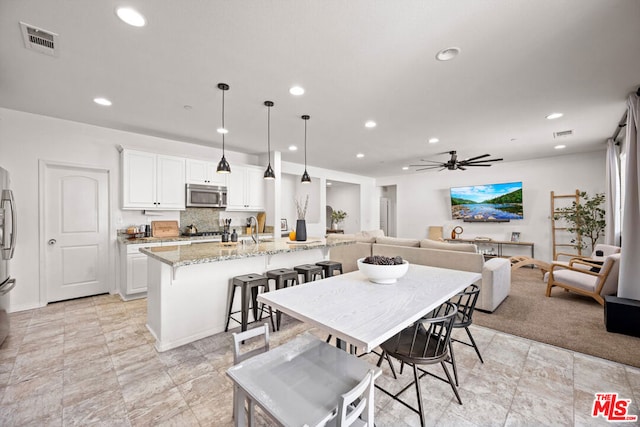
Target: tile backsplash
x,y
208,219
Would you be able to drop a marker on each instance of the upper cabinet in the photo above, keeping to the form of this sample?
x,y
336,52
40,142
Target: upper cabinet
x,y
204,173
245,189
152,181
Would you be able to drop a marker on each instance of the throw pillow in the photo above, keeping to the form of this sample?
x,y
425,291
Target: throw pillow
x,y
413,243
461,247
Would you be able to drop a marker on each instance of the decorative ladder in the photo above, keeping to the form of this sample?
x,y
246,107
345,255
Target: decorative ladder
x,y
560,234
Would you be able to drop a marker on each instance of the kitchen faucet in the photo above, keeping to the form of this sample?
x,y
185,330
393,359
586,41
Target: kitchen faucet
x,y
254,236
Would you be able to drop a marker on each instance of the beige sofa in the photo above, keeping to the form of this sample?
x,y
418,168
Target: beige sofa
x,y
496,272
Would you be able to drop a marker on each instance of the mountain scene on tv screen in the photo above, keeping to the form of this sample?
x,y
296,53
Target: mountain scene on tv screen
x,y
493,202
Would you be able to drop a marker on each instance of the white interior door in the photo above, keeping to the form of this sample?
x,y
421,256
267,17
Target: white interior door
x,y
75,210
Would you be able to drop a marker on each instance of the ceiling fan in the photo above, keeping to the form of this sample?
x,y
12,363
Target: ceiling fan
x,y
453,163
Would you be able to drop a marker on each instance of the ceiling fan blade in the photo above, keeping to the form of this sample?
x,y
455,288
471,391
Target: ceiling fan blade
x,y
461,168
473,164
430,161
481,161
476,158
428,168
437,165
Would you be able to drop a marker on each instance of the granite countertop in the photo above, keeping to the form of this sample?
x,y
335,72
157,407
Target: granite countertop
x,y
199,253
127,240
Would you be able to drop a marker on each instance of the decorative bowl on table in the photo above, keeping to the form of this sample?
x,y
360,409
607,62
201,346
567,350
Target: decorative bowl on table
x,y
383,270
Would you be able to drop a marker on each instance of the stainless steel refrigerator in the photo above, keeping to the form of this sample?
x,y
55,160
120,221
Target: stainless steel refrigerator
x,y
7,246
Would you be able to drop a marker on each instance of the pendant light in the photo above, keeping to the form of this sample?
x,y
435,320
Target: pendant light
x,y
306,179
223,166
269,174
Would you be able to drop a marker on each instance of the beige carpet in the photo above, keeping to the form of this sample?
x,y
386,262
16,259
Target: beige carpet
x,y
565,320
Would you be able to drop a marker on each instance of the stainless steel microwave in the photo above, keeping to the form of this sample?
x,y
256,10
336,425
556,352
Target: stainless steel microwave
x,y
206,196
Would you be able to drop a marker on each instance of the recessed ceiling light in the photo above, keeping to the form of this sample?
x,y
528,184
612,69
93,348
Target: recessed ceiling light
x,y
405,168
296,90
328,184
433,140
359,155
560,147
554,116
131,16
447,54
102,101
370,124
293,148
222,130
513,139
188,107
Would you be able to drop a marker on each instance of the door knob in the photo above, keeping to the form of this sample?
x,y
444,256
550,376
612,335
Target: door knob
x,y
52,242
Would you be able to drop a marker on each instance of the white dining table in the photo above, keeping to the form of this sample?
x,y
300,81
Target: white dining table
x,y
299,382
365,314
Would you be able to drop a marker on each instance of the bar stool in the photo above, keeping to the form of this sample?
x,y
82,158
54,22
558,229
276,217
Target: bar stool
x,y
329,267
249,284
283,278
309,272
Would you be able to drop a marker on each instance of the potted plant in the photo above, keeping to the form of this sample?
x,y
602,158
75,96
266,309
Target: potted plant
x,y
337,217
586,219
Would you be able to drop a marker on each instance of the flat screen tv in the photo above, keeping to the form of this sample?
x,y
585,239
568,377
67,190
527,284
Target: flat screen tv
x,y
487,203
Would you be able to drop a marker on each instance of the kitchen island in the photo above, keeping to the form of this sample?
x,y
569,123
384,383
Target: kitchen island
x,y
189,285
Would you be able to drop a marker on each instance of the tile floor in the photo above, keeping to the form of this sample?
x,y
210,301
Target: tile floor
x,y
92,362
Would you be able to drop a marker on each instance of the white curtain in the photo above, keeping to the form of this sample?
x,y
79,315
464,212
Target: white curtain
x,y
629,280
612,195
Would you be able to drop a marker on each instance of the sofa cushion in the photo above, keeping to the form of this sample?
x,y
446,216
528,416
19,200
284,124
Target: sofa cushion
x,y
398,242
461,247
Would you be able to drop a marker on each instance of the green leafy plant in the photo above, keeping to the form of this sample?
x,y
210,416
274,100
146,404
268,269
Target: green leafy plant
x,y
338,216
586,219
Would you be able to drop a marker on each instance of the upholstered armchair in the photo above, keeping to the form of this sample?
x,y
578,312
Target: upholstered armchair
x,y
585,278
600,252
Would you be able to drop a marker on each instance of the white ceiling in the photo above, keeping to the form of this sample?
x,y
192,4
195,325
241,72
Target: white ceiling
x,y
358,60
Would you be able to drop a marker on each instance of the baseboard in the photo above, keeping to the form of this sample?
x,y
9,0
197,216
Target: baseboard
x,y
621,315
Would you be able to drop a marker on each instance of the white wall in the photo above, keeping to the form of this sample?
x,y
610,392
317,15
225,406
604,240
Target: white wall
x,y
423,199
346,197
27,138
368,198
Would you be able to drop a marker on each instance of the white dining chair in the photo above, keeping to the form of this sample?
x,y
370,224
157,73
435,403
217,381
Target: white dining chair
x,y
355,403
239,338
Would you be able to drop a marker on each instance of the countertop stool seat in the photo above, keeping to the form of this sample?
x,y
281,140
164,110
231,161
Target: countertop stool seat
x,y
283,277
330,267
249,285
309,272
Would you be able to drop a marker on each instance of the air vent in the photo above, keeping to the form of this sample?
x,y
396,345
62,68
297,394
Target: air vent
x,y
40,40
563,133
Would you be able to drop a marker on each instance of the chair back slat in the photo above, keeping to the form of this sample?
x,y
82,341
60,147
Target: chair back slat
x,y
251,333
466,303
427,340
347,413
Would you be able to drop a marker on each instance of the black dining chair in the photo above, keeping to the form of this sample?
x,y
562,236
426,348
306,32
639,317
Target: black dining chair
x,y
424,343
465,302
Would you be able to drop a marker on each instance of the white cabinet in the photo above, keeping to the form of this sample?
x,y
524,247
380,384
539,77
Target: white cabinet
x,y
204,173
133,271
133,268
245,189
152,181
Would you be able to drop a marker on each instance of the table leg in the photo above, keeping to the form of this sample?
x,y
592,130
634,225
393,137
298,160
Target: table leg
x,y
239,397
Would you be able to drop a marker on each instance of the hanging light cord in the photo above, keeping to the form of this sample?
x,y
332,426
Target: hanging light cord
x,y
223,128
269,132
305,145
